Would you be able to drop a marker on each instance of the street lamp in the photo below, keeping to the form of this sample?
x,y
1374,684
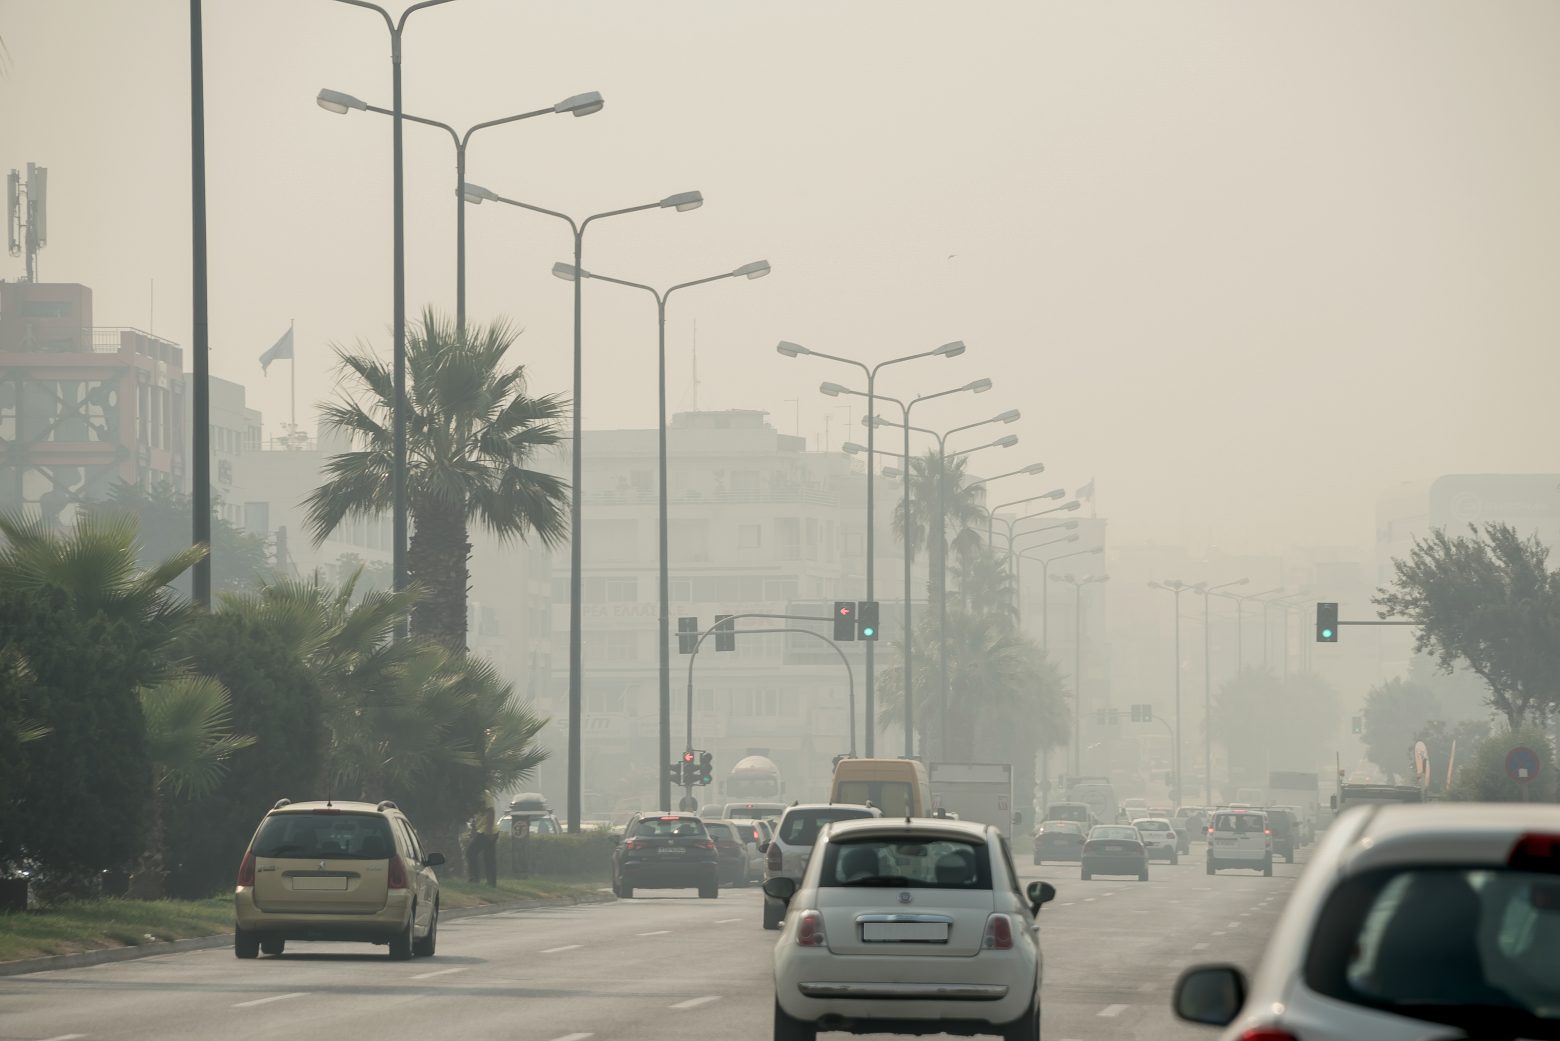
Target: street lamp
x,y
1045,571
952,349
1209,591
576,105
756,269
1177,587
681,202
398,279
1078,584
834,390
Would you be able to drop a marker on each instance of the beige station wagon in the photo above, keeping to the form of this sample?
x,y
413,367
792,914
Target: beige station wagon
x,y
330,870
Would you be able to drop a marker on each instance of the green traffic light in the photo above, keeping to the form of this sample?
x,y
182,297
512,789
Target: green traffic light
x,y
868,631
1327,634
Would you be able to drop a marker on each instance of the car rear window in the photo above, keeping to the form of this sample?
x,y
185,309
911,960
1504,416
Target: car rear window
x,y
1472,947
892,797
1240,823
1119,834
1152,826
720,832
1070,812
1067,827
670,827
801,827
907,862
332,836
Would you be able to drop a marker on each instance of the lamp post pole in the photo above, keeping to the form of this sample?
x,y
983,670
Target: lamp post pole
x,y
757,269
1207,592
680,202
1078,584
200,498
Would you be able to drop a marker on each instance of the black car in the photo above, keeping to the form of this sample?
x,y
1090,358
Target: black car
x,y
1113,849
665,851
1058,840
1284,828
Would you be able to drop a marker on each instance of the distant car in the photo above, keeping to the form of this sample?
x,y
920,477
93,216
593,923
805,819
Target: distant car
x,y
1077,812
909,927
1058,840
1134,807
730,852
1240,839
1160,838
753,810
1412,921
787,853
754,835
1114,849
335,870
665,851
1305,831
1192,821
1284,830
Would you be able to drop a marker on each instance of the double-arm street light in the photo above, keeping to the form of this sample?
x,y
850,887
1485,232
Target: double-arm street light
x,y
681,202
834,390
1210,591
1078,583
991,514
398,280
578,105
951,349
1045,573
1176,586
1240,621
757,269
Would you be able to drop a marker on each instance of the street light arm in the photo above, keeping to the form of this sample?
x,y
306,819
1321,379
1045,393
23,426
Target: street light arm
x,y
847,361
909,357
408,12
501,121
454,134
698,282
659,296
577,228
617,213
389,22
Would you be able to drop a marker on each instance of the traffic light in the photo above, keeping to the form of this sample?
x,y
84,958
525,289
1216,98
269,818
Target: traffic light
x,y
689,771
1142,713
1326,623
687,635
867,619
1359,725
844,621
674,773
725,633
706,768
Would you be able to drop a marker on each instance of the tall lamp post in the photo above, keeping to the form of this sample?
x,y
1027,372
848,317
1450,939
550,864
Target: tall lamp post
x,y
681,202
1240,622
757,269
1078,584
200,484
1210,591
834,390
1267,600
398,193
578,105
1176,586
951,349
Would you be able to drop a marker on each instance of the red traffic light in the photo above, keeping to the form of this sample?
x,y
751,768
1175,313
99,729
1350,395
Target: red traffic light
x,y
844,612
687,757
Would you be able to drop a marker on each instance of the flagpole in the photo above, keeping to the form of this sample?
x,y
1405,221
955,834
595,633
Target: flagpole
x,y
292,380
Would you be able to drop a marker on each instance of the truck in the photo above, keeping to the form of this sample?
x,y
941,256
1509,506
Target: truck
x,y
1297,788
754,777
980,792
1366,794
1098,792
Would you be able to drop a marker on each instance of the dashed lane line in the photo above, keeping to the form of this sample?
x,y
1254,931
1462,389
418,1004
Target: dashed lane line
x,y
439,972
65,1037
573,1037
695,1002
1111,1011
726,921
565,947
654,932
1199,946
267,1001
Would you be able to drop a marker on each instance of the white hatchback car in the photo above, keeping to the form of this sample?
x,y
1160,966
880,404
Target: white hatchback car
x,y
1159,838
909,927
1412,922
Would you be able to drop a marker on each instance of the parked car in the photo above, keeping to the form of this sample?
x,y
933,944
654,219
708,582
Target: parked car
x,y
730,852
1412,921
336,871
787,853
665,851
1240,839
1114,849
1058,840
908,926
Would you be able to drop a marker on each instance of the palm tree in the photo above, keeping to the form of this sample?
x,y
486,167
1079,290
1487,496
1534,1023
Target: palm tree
x,y
962,504
472,433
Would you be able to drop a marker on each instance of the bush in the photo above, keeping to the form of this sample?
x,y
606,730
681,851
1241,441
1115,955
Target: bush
x,y
1483,777
587,855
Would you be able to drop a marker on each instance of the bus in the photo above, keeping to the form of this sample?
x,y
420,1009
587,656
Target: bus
x,y
1366,794
898,787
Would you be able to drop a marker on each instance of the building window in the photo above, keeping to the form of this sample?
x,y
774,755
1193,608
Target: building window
x,y
788,534
689,540
610,645
750,536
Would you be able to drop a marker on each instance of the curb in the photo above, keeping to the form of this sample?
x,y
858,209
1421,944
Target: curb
x,y
106,955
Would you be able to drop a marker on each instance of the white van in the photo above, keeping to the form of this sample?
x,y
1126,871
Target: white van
x,y
1240,839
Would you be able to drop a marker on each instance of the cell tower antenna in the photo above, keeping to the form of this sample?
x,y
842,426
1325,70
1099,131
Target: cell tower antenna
x,y
27,219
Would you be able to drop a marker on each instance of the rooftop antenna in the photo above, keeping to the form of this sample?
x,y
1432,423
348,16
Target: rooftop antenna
x,y
27,220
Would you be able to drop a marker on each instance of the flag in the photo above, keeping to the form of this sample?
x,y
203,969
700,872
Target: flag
x,y
282,348
1086,492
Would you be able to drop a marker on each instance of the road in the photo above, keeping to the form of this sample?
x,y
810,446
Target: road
x,y
663,968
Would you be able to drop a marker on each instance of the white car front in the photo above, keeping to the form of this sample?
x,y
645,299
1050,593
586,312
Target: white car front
x,y
909,927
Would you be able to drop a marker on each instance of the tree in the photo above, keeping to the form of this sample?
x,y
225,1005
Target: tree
x,y
1443,740
1483,777
1395,712
1271,724
162,515
1489,600
472,433
962,505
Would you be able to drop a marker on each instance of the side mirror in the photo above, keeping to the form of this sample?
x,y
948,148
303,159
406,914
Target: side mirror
x,y
1210,994
1332,801
1040,894
763,847
434,859
780,888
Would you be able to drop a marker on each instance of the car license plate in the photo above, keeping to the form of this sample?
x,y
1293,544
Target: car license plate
x,y
671,849
1114,849
317,883
1224,842
904,932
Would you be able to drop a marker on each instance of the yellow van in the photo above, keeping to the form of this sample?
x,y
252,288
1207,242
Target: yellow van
x,y
898,787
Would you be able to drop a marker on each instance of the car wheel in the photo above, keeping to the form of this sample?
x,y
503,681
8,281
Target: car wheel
x,y
425,947
625,890
774,912
245,944
709,892
1211,869
1086,875
1289,858
272,947
1143,875
789,1028
401,942
1267,869
1026,1027
1175,858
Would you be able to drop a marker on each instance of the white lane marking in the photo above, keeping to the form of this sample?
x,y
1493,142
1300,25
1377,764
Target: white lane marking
x,y
573,1037
726,921
565,947
1218,932
696,1002
1234,925
1199,947
440,972
65,1037
1066,903
655,932
1088,899
1112,1010
265,1001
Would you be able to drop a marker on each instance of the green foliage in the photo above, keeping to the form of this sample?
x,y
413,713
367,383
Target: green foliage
x,y
1483,778
163,518
1396,711
585,855
473,433
1489,600
1273,724
18,727
1442,739
189,735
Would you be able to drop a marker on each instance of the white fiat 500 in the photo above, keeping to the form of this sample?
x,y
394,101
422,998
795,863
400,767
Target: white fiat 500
x,y
1411,923
908,927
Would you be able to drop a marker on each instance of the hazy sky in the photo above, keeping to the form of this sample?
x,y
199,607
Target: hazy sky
x,y
1245,263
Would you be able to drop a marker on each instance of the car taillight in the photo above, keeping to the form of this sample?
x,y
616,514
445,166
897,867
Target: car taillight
x,y
397,874
1267,1034
999,933
1536,852
1087,846
246,869
706,844
809,930
774,861
1267,831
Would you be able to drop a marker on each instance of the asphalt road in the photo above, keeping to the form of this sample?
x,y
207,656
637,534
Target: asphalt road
x,y
663,967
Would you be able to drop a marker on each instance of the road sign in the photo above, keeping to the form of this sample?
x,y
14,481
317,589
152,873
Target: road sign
x,y
1522,764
